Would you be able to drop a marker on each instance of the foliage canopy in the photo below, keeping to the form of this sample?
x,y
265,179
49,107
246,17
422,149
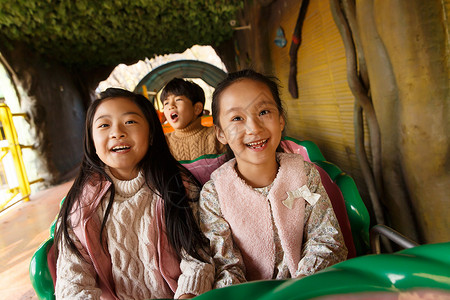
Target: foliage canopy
x,y
92,33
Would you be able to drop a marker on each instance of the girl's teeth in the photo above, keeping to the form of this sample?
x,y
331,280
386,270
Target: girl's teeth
x,y
120,148
257,144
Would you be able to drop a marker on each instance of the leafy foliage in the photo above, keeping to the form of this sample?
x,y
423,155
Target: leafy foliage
x,y
92,33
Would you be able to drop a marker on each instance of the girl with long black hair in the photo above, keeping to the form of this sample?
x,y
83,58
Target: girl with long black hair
x,y
126,229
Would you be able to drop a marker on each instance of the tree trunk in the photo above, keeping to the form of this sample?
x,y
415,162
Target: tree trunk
x,y
406,46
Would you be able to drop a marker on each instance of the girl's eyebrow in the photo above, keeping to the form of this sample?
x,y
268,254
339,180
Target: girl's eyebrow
x,y
259,103
132,113
232,110
124,114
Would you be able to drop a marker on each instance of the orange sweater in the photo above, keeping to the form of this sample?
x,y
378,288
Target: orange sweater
x,y
193,141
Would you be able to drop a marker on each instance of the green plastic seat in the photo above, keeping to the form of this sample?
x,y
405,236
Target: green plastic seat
x,y
39,272
422,268
40,275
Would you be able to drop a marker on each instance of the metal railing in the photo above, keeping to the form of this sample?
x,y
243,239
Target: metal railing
x,y
379,230
9,143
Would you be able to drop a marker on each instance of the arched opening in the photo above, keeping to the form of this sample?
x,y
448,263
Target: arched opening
x,y
201,64
157,78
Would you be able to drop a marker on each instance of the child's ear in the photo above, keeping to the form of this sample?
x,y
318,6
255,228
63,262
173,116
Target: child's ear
x,y
198,108
220,135
282,123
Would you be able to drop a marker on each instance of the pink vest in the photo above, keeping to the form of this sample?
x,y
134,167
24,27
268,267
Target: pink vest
x,y
87,228
248,213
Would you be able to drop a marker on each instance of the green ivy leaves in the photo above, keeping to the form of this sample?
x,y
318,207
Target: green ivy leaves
x,y
94,33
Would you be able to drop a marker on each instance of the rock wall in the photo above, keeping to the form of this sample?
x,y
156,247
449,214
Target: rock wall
x,y
53,100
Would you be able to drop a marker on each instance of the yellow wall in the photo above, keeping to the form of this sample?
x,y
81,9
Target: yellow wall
x,y
323,113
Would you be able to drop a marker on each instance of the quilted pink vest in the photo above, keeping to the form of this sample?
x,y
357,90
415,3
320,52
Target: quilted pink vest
x,y
248,213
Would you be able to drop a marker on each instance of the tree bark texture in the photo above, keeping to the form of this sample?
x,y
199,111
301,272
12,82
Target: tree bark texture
x,y
406,46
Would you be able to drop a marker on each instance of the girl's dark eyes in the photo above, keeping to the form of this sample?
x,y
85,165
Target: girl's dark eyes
x,y
107,125
264,112
236,119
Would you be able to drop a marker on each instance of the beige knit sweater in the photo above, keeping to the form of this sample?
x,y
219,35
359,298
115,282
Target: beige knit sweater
x,y
132,245
193,141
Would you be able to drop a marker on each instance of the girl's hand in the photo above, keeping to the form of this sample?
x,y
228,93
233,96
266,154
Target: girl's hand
x,y
186,296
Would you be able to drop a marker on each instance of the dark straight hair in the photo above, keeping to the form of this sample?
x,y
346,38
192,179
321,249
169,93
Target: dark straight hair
x,y
270,81
163,175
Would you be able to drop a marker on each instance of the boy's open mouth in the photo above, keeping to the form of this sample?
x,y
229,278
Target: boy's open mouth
x,y
257,145
120,148
173,116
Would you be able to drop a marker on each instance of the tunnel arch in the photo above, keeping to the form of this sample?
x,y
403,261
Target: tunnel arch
x,y
157,78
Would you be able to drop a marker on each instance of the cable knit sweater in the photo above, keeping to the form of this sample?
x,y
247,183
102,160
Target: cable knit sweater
x,y
132,244
193,141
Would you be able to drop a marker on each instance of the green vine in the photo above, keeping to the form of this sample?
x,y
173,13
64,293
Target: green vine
x,y
95,33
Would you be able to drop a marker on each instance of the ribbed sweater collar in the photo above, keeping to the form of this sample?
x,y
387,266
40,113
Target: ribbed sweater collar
x,y
190,130
127,188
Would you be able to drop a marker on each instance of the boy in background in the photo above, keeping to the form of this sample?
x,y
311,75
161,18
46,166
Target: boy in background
x,y
183,103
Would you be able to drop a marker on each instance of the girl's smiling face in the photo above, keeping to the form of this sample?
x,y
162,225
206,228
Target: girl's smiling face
x,y
250,122
120,133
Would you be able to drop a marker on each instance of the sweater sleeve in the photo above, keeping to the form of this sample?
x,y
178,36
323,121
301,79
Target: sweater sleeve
x,y
76,277
323,243
230,268
196,277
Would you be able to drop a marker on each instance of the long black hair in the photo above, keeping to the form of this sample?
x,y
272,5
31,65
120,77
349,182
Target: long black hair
x,y
163,175
271,82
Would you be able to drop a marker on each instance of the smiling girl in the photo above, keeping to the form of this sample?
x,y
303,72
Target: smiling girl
x,y
265,213
126,229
